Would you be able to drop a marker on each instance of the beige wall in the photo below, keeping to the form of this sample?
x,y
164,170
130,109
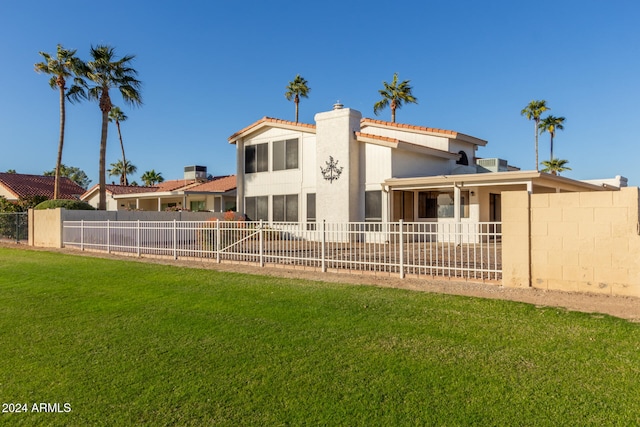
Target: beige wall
x,y
577,242
45,228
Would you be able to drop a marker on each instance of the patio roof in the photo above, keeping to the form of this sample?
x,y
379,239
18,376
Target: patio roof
x,y
536,181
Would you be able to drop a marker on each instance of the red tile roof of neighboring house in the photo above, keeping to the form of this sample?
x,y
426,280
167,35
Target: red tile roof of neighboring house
x,y
176,184
116,189
217,184
23,186
272,121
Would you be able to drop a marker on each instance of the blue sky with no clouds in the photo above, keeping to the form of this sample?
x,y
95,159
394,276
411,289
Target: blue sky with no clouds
x,y
210,68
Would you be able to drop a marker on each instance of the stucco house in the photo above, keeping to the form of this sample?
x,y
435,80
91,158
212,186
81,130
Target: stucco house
x,y
16,186
347,168
194,193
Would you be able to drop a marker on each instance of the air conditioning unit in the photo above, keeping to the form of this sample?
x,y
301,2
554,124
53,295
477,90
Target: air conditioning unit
x,y
491,165
195,172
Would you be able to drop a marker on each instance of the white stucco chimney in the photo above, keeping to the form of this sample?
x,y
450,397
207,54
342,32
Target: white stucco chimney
x,y
338,186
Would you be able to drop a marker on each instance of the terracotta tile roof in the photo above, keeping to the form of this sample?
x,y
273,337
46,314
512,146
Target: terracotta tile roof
x,y
378,137
449,133
396,143
22,186
272,121
219,184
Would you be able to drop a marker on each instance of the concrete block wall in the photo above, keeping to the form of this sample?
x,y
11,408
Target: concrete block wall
x,y
577,242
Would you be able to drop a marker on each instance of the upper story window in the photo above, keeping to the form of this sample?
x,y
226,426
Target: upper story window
x,y
256,158
285,154
463,160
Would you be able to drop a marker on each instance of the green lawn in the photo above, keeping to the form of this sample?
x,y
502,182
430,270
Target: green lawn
x,y
129,343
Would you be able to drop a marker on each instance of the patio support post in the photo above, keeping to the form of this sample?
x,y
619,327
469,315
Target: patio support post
x,y
456,213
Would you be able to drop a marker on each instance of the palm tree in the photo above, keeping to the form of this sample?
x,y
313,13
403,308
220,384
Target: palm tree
x,y
555,166
106,72
117,169
394,95
116,115
61,67
296,89
532,111
551,124
151,178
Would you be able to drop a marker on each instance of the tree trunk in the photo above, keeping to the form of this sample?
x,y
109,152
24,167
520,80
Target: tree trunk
x,y
123,181
551,159
56,180
393,111
296,101
105,107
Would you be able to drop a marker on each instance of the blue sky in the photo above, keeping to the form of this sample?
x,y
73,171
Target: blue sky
x,y
210,68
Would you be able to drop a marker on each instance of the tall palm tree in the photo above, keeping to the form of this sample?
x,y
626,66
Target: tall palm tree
x,y
393,95
551,124
555,166
104,73
61,67
532,111
151,177
116,115
118,169
295,89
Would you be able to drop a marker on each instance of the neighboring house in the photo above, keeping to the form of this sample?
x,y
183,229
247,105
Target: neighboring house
x,y
15,186
346,168
191,193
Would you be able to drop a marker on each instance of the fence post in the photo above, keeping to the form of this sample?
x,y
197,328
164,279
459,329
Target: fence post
x,y
218,241
323,262
175,241
108,237
82,234
138,238
17,215
401,244
261,249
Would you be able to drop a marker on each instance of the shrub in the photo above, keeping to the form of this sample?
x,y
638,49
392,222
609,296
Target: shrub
x,y
72,205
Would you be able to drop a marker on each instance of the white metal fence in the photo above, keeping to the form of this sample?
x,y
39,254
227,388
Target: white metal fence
x,y
463,250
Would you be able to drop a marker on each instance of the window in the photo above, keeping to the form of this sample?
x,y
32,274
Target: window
x,y
257,208
311,211
463,160
197,205
373,205
440,204
285,208
256,158
311,207
285,154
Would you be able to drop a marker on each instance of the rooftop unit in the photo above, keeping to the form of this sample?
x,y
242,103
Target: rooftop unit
x,y
195,172
491,165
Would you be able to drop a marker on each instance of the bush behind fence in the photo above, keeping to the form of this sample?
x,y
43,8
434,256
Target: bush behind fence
x,y
14,226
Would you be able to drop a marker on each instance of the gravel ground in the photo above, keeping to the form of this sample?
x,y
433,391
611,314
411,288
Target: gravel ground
x,y
618,306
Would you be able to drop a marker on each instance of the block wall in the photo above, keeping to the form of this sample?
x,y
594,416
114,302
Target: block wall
x,y
578,242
